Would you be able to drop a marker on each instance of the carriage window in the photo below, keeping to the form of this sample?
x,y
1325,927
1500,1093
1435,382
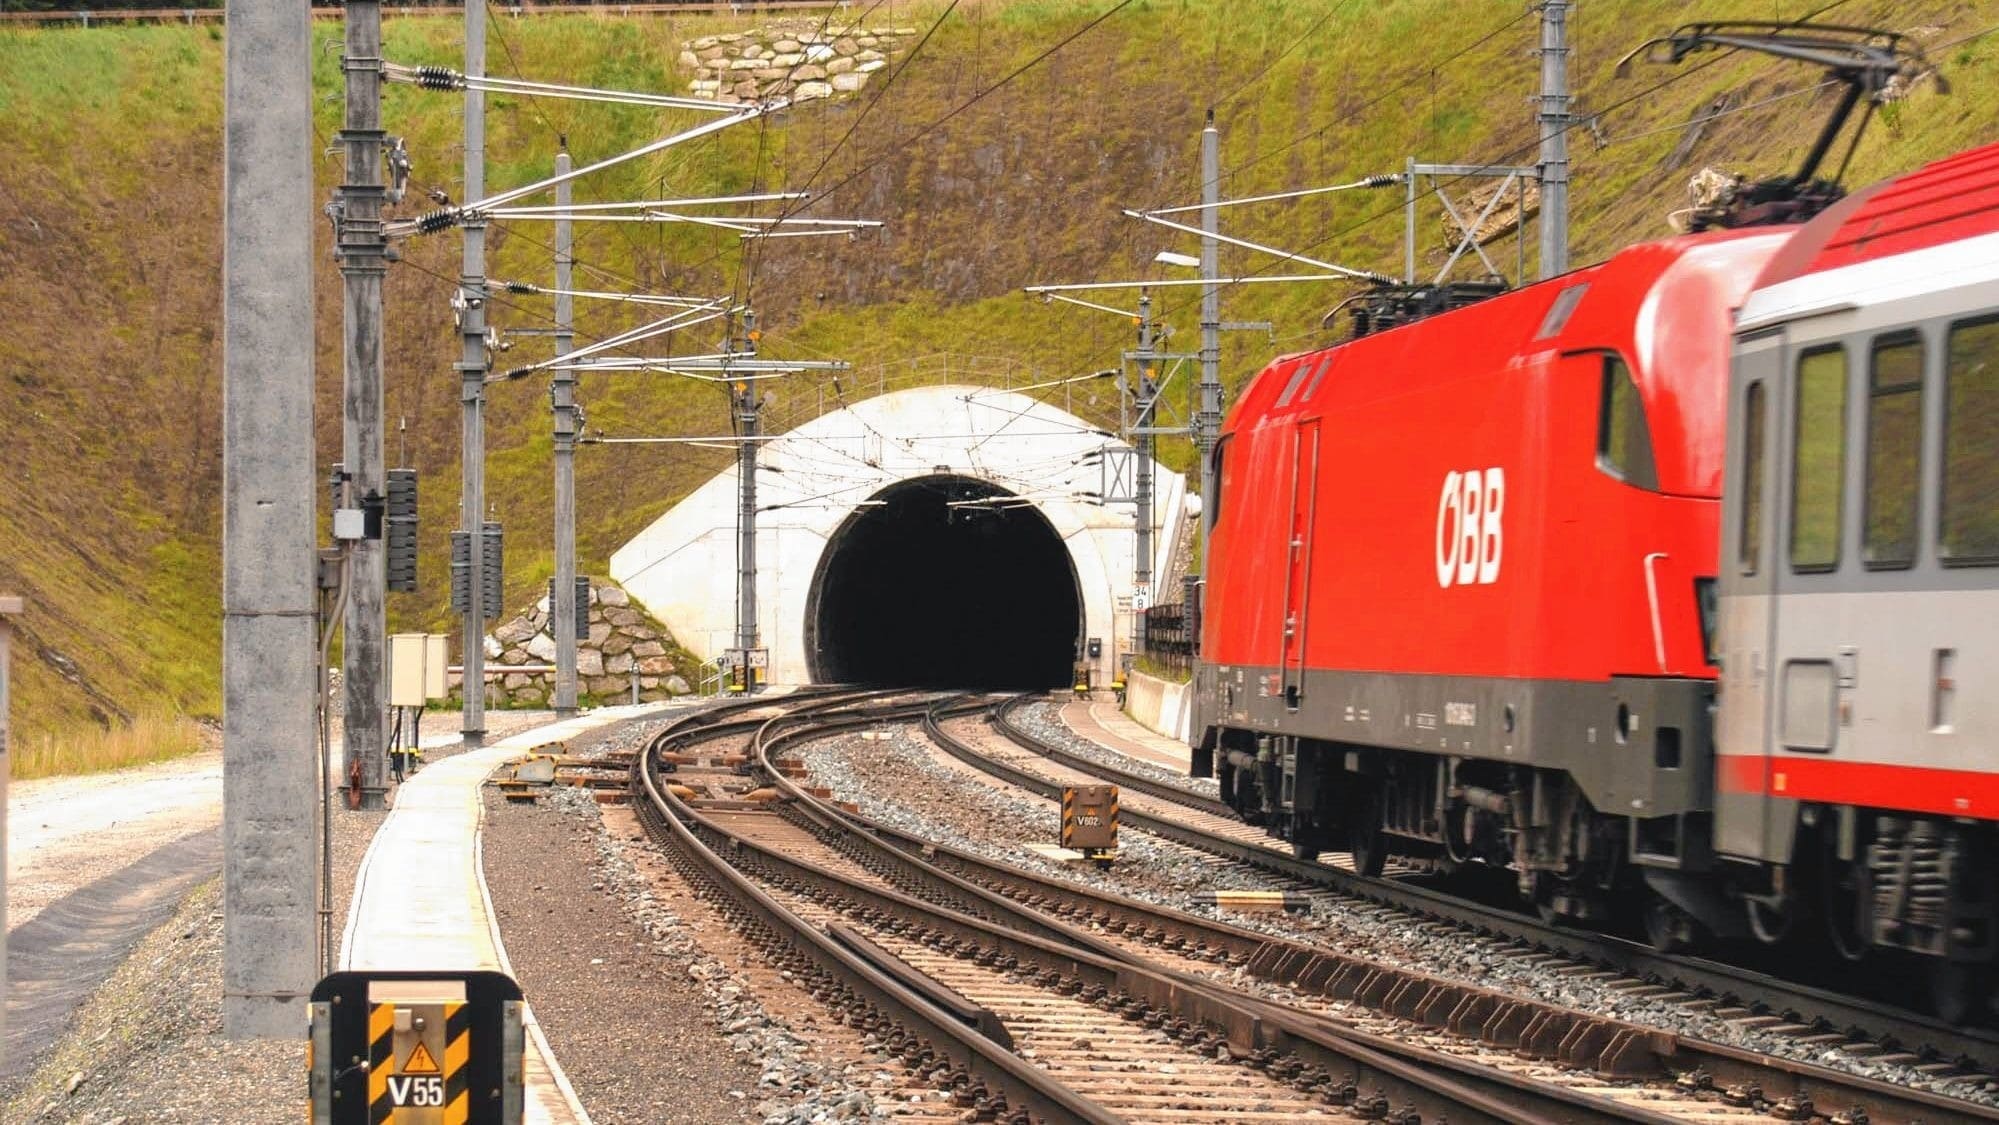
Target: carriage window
x,y
1752,477
1894,450
1970,455
1818,459
1623,442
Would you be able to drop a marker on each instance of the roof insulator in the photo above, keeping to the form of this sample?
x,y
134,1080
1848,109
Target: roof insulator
x,y
439,78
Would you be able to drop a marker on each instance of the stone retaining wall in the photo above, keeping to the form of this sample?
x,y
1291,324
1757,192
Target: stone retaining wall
x,y
623,638
792,58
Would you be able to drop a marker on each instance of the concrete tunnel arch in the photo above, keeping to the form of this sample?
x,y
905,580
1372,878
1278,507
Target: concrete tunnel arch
x,y
814,483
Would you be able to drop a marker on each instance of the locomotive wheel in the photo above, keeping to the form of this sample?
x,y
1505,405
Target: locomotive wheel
x,y
1365,839
1668,928
1306,839
1771,925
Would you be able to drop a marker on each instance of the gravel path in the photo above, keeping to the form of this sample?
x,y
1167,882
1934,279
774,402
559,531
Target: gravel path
x,y
58,957
146,1045
66,832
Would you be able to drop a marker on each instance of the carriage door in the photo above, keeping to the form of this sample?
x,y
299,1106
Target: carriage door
x,y
1743,619
1298,556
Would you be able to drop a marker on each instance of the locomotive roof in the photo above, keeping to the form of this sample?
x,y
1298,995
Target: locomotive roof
x,y
1945,201
1664,306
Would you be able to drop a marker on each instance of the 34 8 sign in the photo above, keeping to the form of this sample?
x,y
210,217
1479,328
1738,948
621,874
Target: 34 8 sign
x,y
1470,534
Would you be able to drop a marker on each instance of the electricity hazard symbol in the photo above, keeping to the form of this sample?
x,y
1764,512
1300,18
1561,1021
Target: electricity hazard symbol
x,y
420,1062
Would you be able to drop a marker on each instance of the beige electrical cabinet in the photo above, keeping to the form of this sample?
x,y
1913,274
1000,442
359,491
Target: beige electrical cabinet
x,y
407,681
436,658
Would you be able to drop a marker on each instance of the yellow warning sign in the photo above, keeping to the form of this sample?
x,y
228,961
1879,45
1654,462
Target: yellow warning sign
x,y
420,1062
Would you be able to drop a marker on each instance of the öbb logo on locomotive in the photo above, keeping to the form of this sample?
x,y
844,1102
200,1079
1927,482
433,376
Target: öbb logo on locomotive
x,y
1470,534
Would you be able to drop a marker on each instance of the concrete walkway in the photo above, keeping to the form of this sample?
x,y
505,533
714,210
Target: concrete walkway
x,y
1104,724
420,901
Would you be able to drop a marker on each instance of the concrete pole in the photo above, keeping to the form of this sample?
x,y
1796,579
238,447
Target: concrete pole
x,y
748,423
1142,470
472,367
562,607
10,607
1409,221
1208,414
268,557
362,265
1554,138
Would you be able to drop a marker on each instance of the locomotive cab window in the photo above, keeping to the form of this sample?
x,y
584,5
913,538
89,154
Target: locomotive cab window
x,y
1623,440
1970,524
1894,450
1818,459
1752,477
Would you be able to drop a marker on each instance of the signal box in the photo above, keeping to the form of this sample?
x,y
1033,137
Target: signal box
x,y
416,1048
1089,821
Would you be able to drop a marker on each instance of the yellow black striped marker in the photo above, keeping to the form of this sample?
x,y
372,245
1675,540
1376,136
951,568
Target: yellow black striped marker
x,y
457,1064
407,1084
1089,817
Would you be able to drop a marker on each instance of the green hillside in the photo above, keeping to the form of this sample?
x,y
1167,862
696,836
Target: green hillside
x,y
110,244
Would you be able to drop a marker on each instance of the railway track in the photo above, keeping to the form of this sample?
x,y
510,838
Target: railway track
x,y
1854,1025
1870,1028
1110,1037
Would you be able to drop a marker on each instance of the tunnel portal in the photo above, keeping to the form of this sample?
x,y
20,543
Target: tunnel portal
x,y
944,583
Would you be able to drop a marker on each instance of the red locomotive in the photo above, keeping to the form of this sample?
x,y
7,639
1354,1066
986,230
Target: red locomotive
x,y
1461,583
1475,581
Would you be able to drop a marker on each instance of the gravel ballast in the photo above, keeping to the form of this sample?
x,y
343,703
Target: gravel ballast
x,y
1044,721
624,1017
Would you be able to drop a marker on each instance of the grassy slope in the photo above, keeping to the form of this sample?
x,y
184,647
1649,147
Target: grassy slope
x,y
109,245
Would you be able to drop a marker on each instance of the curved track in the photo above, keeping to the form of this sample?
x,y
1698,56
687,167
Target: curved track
x,y
1031,972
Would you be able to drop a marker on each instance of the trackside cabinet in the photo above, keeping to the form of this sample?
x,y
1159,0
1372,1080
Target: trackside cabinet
x,y
416,1048
1089,821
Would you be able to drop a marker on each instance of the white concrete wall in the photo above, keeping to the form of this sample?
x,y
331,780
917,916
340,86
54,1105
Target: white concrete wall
x,y
683,567
1165,706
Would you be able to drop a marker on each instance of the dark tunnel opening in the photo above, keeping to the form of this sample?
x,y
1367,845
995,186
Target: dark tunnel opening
x,y
933,588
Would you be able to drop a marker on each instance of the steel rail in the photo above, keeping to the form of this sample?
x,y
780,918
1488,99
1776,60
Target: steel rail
x,y
842,972
1857,1018
1468,1090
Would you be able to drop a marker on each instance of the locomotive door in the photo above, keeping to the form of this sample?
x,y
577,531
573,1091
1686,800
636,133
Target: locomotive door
x,y
1298,557
1745,619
